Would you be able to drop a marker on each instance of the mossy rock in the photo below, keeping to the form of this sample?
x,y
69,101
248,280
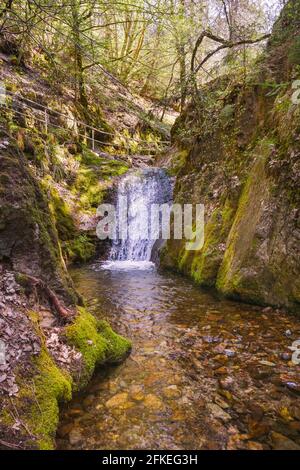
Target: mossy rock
x,y
28,236
96,341
48,385
62,215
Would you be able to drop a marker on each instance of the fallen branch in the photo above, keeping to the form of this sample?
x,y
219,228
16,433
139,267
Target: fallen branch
x,y
10,445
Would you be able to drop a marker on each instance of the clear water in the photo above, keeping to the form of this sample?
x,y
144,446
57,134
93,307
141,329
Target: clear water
x,y
187,345
204,373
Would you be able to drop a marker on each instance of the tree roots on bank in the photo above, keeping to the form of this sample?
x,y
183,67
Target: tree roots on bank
x,y
39,287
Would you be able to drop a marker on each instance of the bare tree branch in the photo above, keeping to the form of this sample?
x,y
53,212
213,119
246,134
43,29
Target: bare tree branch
x,y
225,44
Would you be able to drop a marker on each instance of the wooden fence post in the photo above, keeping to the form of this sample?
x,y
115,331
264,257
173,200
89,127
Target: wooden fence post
x,y
93,139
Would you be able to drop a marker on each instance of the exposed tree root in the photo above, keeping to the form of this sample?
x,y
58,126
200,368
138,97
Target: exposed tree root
x,y
35,284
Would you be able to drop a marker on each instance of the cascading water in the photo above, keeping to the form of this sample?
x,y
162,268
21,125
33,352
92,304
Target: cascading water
x,y
140,190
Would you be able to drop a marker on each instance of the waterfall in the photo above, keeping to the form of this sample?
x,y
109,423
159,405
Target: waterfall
x,y
140,189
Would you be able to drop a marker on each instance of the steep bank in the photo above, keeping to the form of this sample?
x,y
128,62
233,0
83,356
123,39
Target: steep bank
x,y
51,183
237,152
55,170
51,345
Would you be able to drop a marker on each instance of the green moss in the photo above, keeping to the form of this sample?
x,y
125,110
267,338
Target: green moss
x,y
40,393
202,265
294,52
48,388
94,177
98,120
96,341
178,162
62,215
117,347
227,114
48,385
241,237
81,249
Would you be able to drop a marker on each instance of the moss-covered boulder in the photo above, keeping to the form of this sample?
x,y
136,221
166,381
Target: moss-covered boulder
x,y
48,384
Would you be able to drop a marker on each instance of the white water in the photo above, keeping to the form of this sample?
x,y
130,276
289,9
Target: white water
x,y
128,265
141,188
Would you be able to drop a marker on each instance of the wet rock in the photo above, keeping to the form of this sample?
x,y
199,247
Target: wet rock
x,y
256,412
136,392
239,408
229,353
218,400
254,445
212,317
172,391
178,416
99,387
296,412
258,429
267,363
117,400
226,394
226,383
218,413
284,412
236,442
293,386
295,427
113,386
152,379
197,364
75,436
285,356
221,359
88,401
75,412
280,442
63,431
261,373
221,371
153,402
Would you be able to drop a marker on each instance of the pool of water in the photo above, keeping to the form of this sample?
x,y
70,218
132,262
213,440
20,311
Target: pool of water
x,y
204,373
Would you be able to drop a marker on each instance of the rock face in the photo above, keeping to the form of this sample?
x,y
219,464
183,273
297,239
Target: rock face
x,y
46,355
242,162
28,237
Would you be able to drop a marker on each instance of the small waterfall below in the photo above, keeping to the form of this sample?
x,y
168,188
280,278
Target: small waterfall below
x,y
140,189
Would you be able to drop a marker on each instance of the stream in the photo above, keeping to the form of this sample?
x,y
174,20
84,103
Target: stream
x,y
204,373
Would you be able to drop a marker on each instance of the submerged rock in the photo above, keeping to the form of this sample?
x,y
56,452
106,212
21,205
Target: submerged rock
x,y
172,391
153,402
117,400
218,413
75,436
280,442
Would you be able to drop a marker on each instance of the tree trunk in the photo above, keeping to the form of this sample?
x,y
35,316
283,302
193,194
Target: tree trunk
x,y
78,56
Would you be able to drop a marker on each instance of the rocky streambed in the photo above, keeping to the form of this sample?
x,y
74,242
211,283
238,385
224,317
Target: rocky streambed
x,y
204,373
